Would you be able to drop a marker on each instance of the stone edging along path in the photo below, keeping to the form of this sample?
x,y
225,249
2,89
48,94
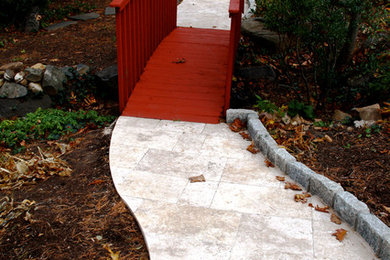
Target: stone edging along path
x,y
347,206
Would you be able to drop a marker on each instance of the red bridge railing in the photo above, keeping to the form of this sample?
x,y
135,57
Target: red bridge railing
x,y
236,8
140,27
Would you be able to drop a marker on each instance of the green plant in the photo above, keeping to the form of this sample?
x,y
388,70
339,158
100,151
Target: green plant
x,y
299,108
268,106
48,124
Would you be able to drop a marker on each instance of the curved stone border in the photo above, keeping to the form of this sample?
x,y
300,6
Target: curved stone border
x,y
347,206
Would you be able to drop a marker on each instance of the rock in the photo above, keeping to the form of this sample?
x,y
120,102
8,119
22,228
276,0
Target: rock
x,y
363,123
85,17
15,66
109,11
12,90
9,75
34,75
24,82
53,80
1,74
35,87
369,113
82,69
20,107
68,71
60,25
108,81
328,138
255,29
38,66
32,22
340,115
19,76
1,82
256,73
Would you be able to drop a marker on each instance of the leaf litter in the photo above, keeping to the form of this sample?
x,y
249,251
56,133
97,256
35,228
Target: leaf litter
x,y
199,178
340,234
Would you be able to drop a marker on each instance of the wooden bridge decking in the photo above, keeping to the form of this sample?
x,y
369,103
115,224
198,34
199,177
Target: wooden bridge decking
x,y
190,90
170,72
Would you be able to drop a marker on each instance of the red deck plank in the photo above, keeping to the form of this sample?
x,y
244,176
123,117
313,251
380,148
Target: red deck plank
x,y
190,91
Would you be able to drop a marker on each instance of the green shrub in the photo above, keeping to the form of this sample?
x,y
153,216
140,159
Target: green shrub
x,y
299,108
48,124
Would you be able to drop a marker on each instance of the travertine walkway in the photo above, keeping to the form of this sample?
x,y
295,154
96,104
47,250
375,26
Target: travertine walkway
x,y
240,212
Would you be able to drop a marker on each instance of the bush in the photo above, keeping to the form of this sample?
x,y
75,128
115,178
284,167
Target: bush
x,y
16,11
50,124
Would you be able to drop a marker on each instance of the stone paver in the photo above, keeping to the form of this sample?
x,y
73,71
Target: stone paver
x,y
240,212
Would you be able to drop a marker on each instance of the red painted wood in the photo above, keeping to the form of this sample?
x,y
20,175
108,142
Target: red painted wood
x,y
189,91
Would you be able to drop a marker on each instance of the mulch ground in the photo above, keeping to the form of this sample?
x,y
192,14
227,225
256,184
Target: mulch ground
x,y
76,217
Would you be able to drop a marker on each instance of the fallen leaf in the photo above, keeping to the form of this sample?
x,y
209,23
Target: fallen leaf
x,y
179,60
268,163
246,136
340,234
199,178
386,208
251,148
280,178
292,186
300,198
335,219
328,138
322,209
113,255
310,205
237,125
95,182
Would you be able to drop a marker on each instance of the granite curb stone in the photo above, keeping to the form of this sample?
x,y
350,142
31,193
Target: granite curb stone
x,y
299,173
374,232
350,209
325,188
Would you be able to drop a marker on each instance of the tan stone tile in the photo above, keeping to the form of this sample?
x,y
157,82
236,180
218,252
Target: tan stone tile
x,y
260,237
152,186
182,165
198,194
259,200
125,122
218,146
181,127
189,143
186,232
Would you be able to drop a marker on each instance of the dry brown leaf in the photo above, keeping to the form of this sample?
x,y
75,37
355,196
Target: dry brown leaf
x,y
199,178
322,209
280,178
335,219
300,198
340,234
310,205
246,136
237,125
292,186
95,182
328,138
386,208
252,148
268,163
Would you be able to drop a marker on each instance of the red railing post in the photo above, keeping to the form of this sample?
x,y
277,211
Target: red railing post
x,y
236,8
140,27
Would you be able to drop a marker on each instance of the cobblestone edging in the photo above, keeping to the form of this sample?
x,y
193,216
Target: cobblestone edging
x,y
347,206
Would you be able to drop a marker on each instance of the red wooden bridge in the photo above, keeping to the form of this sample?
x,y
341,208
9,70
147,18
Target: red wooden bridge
x,y
170,72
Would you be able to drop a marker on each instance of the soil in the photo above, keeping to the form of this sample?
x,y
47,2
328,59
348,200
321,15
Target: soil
x,y
90,42
76,217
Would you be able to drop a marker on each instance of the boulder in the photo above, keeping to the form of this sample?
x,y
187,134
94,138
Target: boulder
x,y
53,80
35,88
255,29
369,113
12,90
68,71
340,115
34,75
257,72
20,107
9,75
19,76
85,17
24,82
39,66
15,66
108,81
